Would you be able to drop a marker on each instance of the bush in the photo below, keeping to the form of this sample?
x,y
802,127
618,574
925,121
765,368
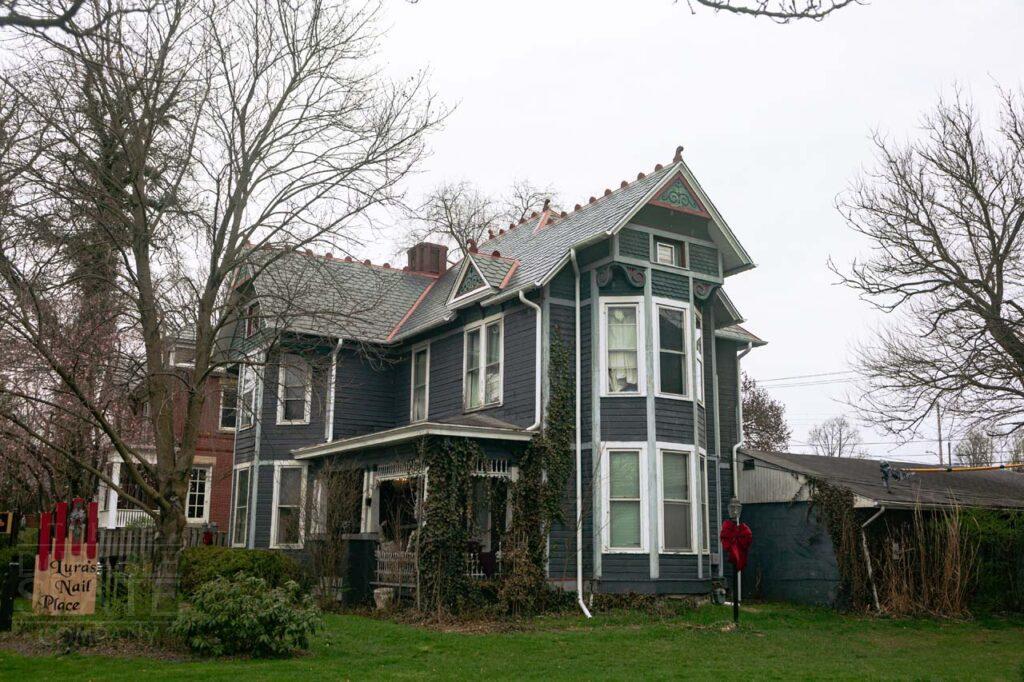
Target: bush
x,y
247,616
200,565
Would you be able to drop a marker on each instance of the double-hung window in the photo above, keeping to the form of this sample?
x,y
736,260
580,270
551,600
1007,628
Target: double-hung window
x,y
228,417
482,377
698,354
289,492
625,496
622,348
294,390
420,383
670,338
197,506
240,522
676,507
249,393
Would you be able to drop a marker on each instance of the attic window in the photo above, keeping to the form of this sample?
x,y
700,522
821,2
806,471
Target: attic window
x,y
252,319
669,252
183,355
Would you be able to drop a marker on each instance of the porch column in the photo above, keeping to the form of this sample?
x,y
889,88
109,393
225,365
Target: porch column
x,y
115,475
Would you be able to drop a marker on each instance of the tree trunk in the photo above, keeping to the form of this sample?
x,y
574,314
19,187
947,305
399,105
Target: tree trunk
x,y
166,551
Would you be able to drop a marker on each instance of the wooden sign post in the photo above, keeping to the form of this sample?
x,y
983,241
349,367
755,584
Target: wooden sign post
x,y
66,574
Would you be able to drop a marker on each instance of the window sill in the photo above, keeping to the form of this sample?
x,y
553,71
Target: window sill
x,y
226,429
294,422
639,394
678,552
488,406
674,396
289,546
614,550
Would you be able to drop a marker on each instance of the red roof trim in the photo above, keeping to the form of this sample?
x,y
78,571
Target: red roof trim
x,y
508,275
411,310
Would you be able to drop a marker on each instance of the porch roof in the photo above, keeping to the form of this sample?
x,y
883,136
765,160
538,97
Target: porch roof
x,y
464,426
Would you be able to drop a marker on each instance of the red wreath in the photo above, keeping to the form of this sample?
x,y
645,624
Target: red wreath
x,y
736,541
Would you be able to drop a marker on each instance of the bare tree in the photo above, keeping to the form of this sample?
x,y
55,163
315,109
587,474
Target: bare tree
x,y
456,214
835,437
201,145
944,216
976,448
65,17
781,11
764,419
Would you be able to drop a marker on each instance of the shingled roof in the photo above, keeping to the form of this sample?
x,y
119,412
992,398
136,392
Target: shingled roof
x,y
344,298
998,489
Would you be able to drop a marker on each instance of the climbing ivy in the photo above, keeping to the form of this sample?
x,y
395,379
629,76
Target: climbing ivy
x,y
835,509
447,516
536,497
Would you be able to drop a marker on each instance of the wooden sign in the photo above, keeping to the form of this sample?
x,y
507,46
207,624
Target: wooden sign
x,y
6,523
66,574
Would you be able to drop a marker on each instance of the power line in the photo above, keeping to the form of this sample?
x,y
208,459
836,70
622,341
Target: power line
x,y
804,376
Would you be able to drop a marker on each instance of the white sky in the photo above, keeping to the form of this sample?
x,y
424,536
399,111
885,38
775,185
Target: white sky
x,y
775,121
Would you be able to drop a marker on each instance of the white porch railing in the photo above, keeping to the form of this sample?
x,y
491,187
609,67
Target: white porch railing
x,y
130,517
397,568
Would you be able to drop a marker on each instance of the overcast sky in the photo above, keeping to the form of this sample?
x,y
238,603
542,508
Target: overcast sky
x,y
775,120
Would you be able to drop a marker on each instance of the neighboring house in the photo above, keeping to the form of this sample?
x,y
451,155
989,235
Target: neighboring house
x,y
464,352
209,491
793,557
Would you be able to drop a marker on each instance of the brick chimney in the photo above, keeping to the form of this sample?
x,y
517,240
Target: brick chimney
x,y
429,258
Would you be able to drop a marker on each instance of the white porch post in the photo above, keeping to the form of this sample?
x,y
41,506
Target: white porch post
x,y
115,475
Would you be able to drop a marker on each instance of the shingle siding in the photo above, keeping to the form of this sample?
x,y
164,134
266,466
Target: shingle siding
x,y
670,285
704,259
635,243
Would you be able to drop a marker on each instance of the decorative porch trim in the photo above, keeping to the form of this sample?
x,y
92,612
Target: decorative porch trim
x,y
408,433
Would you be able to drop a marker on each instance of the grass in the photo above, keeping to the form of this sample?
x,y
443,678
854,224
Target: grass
x,y
774,642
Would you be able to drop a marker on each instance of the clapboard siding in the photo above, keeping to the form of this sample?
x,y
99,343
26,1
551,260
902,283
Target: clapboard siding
x,y
264,502
365,393
446,377
673,420
702,433
519,379
562,540
586,372
625,567
278,440
678,566
624,419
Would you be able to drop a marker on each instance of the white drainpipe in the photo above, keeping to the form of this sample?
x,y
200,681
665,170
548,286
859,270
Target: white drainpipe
x,y
579,450
537,361
739,443
329,413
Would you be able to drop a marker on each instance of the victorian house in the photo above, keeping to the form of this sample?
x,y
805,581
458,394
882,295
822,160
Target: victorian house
x,y
632,283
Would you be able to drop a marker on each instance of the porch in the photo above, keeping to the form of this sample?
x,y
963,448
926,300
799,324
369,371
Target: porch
x,y
117,512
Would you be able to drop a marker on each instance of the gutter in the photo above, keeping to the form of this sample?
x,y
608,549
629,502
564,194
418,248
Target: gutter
x,y
867,555
537,360
739,444
579,447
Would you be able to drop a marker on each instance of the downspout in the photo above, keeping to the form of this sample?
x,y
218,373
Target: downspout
x,y
329,412
579,447
739,443
867,555
537,362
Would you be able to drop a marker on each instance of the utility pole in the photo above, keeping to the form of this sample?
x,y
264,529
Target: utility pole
x,y
938,420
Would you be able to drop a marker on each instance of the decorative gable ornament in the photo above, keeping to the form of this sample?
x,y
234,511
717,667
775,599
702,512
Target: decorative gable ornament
x,y
635,276
702,290
677,195
470,282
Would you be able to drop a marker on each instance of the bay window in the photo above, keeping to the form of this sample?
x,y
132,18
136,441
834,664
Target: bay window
x,y
420,383
240,522
624,487
289,492
670,339
675,506
294,390
483,360
705,507
622,346
247,403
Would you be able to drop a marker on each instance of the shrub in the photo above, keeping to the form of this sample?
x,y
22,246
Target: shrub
x,y
246,616
200,565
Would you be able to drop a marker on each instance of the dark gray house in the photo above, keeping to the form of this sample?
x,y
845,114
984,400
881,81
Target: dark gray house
x,y
632,283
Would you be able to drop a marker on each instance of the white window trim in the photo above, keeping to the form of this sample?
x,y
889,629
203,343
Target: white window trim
x,y
247,466
696,512
469,294
482,326
641,350
206,496
249,316
680,245
660,302
698,356
278,466
705,501
412,384
606,512
308,393
250,371
220,405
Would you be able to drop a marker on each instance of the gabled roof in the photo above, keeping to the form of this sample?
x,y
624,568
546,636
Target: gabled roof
x,y
863,477
517,260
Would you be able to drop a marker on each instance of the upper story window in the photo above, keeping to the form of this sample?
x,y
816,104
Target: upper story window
x,y
669,252
622,348
183,355
247,403
252,319
670,340
294,389
482,376
624,492
698,343
228,418
420,383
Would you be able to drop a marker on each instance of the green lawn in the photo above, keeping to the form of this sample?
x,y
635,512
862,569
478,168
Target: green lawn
x,y
776,642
